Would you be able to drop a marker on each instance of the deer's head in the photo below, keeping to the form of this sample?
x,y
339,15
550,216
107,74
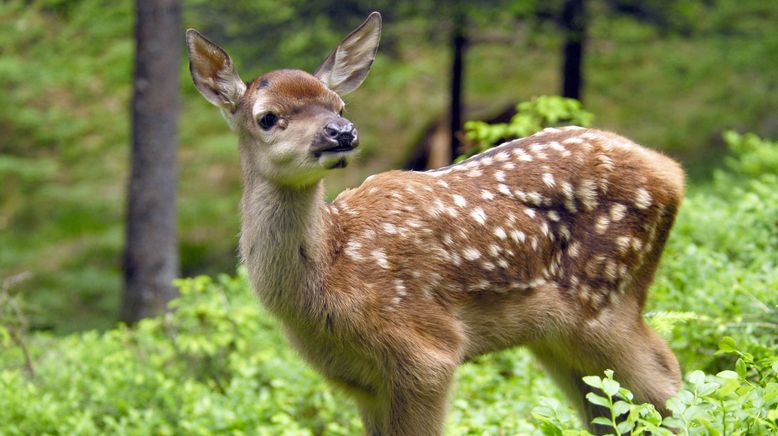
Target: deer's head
x,y
289,122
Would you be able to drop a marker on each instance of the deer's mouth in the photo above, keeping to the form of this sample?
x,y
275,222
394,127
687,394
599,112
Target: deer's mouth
x,y
335,157
339,148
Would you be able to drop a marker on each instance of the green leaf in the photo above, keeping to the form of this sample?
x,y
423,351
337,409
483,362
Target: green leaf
x,y
597,399
620,408
610,386
727,345
624,427
593,381
740,367
696,378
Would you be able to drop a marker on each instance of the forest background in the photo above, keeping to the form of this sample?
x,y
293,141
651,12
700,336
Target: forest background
x,y
690,78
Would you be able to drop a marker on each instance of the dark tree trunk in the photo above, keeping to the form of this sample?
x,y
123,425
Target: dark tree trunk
x,y
574,27
151,254
458,41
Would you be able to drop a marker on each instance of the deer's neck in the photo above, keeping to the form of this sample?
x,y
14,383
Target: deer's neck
x,y
283,244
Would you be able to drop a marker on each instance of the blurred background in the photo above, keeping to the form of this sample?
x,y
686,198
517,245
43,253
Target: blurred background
x,y
670,74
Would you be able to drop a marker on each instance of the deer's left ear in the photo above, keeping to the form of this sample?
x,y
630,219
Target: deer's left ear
x,y
347,66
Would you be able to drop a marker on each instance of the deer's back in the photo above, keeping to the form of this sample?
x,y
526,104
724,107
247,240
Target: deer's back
x,y
567,216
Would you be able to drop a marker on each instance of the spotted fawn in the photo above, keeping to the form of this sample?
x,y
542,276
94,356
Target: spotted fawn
x,y
549,241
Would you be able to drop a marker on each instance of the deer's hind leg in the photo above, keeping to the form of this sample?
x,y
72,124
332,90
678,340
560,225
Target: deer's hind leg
x,y
641,360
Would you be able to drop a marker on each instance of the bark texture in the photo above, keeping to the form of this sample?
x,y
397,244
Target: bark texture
x,y
151,255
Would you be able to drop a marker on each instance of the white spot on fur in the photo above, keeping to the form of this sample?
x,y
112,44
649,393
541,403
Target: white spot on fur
x,y
522,155
617,212
399,286
573,140
390,228
567,191
623,243
518,236
459,200
587,194
553,215
486,195
471,253
535,198
482,284
352,250
487,265
605,162
499,176
414,223
642,199
509,166
442,183
530,212
548,179
504,189
380,258
564,231
574,249
601,225
478,215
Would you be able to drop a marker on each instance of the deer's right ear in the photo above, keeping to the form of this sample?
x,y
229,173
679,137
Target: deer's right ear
x,y
213,73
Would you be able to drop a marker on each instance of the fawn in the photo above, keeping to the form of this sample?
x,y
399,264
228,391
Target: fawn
x,y
549,241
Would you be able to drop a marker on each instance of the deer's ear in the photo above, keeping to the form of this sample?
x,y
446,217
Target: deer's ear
x,y
347,66
213,73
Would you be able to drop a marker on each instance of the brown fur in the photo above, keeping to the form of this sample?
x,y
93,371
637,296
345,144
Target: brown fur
x,y
549,241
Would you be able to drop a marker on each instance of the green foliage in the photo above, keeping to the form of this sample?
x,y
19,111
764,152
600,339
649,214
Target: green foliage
x,y
215,364
531,116
739,402
751,156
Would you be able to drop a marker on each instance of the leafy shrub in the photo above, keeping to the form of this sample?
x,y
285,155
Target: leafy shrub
x,y
214,364
744,401
531,116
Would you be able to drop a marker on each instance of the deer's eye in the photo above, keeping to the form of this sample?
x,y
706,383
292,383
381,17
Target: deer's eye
x,y
268,121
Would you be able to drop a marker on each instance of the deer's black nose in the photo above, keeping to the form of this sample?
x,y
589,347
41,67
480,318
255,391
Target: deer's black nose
x,y
343,133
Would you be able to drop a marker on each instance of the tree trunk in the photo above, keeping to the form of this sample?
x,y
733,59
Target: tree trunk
x,y
458,42
151,253
574,28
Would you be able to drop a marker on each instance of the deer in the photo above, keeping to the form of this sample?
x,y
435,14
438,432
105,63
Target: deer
x,y
548,242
